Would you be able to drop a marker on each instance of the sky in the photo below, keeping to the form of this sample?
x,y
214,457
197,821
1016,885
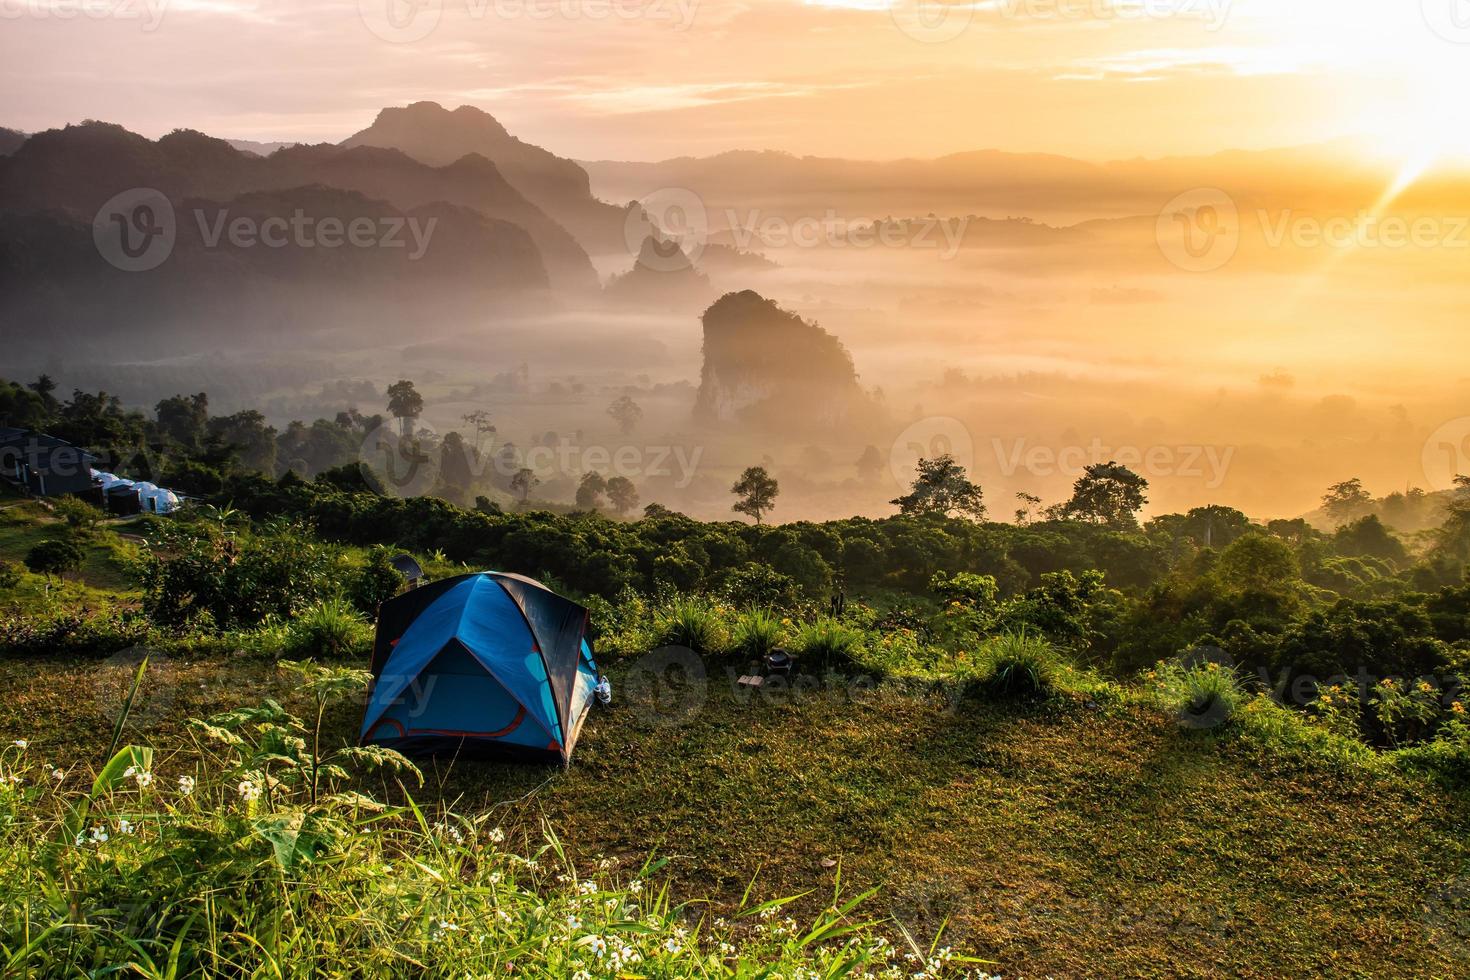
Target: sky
x,y
874,79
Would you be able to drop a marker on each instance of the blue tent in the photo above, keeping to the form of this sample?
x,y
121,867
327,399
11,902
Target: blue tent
x,y
489,664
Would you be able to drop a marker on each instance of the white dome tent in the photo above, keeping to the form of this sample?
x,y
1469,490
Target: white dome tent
x,y
155,499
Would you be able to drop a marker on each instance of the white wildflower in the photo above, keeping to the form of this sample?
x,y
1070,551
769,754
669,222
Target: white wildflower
x,y
125,827
497,836
249,791
186,785
21,744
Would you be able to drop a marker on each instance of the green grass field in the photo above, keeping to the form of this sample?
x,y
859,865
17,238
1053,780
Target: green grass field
x,y
1062,839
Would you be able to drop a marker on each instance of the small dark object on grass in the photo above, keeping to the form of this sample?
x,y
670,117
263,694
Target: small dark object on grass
x,y
778,661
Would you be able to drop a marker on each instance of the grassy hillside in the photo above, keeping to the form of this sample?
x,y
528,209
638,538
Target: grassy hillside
x,y
1062,838
1079,831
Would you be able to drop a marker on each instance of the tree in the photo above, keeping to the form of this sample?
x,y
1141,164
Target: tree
x,y
1368,536
1257,563
626,413
757,492
480,419
1029,503
622,494
942,487
55,557
45,388
183,419
458,463
249,438
405,404
79,515
1346,501
590,490
523,482
1109,494
869,464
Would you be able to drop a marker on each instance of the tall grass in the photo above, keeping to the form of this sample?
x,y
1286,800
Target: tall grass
x,y
330,628
827,644
258,857
690,621
1019,665
1210,696
757,632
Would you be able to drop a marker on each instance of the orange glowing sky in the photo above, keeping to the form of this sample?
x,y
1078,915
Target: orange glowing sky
x,y
647,79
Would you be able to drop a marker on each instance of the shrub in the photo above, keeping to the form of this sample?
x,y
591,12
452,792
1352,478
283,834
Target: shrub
x,y
757,633
104,633
9,574
79,515
1019,665
1210,696
376,582
756,584
689,621
331,628
55,557
827,643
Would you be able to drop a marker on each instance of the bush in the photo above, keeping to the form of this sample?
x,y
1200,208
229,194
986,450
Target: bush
x,y
1019,665
9,574
79,515
331,628
757,632
55,557
1211,696
690,621
827,643
104,633
376,582
756,584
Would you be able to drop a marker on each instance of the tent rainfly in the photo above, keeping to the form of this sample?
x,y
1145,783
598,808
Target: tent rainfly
x,y
488,664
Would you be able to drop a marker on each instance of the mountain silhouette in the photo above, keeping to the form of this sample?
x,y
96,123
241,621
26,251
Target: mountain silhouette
x,y
78,168
438,136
